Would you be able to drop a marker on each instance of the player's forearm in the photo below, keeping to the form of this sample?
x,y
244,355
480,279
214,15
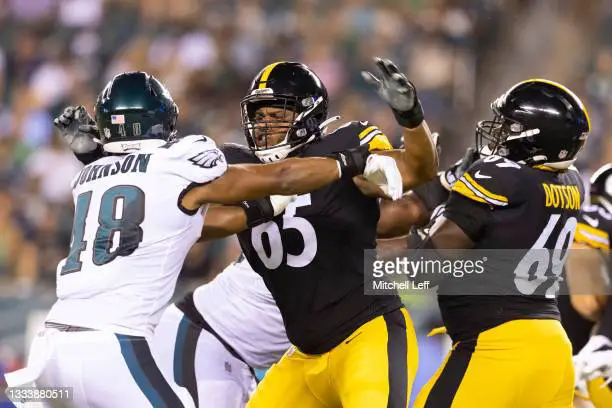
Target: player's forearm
x,y
418,161
585,281
253,181
587,306
300,176
223,221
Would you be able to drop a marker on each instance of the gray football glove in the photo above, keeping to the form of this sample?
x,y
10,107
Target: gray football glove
x,y
395,89
471,155
78,129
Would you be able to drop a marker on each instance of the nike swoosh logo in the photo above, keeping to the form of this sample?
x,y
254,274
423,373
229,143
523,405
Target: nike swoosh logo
x,y
593,222
481,176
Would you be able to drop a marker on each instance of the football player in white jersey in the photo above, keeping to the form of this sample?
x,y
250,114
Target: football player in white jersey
x,y
211,343
137,213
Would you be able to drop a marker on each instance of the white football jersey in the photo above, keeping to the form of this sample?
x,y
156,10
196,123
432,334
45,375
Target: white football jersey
x,y
240,308
130,235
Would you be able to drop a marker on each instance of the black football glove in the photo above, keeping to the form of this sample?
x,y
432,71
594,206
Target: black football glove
x,y
265,209
80,132
352,161
395,89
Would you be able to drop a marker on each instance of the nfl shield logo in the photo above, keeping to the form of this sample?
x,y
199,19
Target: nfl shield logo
x,y
117,119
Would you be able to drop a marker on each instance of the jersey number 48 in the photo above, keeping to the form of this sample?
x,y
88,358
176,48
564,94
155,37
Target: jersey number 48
x,y
122,210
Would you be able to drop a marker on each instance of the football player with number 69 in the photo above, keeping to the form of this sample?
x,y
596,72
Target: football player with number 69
x,y
509,348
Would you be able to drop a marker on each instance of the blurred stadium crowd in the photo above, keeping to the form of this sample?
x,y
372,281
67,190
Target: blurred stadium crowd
x,y
459,53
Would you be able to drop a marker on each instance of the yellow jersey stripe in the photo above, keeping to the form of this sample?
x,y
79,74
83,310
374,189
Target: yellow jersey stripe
x,y
365,132
370,136
484,191
596,232
583,238
545,168
266,74
462,189
380,142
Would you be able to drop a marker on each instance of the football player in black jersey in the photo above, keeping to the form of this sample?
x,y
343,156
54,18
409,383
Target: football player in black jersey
x,y
588,272
350,349
511,350
311,258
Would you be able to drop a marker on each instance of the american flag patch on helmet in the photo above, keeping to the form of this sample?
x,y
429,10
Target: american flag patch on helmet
x,y
117,119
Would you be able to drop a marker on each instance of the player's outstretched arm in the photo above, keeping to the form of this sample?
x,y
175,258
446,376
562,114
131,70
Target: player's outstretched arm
x,y
224,220
418,160
287,177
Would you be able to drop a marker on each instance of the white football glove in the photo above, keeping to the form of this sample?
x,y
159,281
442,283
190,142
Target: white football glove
x,y
280,202
383,171
594,360
78,129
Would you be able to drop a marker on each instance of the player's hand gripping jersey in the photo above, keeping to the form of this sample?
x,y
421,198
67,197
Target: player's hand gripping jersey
x,y
130,235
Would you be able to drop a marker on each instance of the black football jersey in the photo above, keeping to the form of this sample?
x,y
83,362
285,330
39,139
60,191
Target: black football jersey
x,y
502,205
311,257
594,227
